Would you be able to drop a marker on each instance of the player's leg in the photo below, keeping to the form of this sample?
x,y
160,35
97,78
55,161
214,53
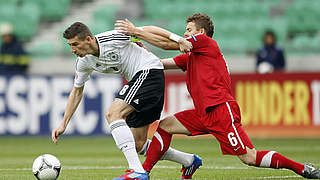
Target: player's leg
x,y
148,103
173,126
142,145
235,141
145,94
159,147
272,159
122,134
140,135
239,144
161,141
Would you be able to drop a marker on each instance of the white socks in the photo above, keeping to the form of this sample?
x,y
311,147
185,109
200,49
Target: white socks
x,y
174,155
124,139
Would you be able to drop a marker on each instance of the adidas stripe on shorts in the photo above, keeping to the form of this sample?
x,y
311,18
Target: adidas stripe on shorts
x,y
145,93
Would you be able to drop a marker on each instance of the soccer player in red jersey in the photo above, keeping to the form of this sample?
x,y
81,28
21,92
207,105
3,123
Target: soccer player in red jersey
x,y
215,110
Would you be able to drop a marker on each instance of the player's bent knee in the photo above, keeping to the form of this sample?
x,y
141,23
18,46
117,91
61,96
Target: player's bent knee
x,y
112,115
118,110
166,124
173,126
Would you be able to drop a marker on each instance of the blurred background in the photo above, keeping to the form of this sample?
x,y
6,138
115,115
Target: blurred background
x,y
272,48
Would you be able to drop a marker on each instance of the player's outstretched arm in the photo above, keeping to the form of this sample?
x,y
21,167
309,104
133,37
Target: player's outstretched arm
x,y
155,35
73,102
183,45
127,27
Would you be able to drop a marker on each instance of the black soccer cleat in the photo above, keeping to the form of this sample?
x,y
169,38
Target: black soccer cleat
x,y
310,171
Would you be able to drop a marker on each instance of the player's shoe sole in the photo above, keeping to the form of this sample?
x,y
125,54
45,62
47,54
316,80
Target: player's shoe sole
x,y
132,175
310,172
187,172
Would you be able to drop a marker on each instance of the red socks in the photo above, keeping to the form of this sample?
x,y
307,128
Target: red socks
x,y
275,160
160,143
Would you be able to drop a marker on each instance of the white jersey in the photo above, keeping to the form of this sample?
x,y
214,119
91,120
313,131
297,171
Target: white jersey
x,y
117,55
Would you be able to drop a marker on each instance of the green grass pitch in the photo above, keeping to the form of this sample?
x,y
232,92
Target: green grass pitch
x,y
87,158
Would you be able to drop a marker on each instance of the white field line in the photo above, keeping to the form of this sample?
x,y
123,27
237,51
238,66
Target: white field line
x,y
161,167
276,177
122,167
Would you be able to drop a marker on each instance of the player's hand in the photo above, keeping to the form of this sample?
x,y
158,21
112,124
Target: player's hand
x,y
56,133
185,46
125,27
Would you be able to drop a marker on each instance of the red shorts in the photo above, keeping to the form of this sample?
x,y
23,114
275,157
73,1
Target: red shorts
x,y
224,122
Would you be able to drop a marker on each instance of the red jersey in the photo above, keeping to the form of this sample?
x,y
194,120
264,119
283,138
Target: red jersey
x,y
208,80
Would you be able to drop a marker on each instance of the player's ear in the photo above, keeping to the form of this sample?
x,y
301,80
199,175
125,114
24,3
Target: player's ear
x,y
202,31
88,39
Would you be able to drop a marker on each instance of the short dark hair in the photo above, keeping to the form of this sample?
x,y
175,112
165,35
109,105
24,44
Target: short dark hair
x,y
202,21
77,29
270,32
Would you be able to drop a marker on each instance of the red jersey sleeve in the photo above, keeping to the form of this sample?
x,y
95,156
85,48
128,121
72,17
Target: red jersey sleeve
x,y
181,61
199,42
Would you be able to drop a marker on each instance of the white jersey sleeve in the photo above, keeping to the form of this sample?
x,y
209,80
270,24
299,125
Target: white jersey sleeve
x,y
82,73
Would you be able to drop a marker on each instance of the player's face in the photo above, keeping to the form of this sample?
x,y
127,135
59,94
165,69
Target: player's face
x,y
269,40
79,47
7,38
191,29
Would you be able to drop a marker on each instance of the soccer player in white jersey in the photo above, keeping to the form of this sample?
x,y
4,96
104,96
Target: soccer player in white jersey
x,y
140,102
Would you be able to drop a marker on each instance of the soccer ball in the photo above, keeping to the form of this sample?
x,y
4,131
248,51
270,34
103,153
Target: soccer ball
x,y
46,167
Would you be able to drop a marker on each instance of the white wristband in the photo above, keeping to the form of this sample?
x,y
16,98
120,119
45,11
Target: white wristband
x,y
174,37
